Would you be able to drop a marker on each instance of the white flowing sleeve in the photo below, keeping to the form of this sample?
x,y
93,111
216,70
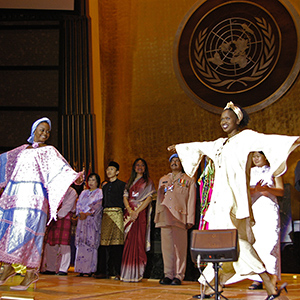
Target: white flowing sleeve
x,y
191,154
57,176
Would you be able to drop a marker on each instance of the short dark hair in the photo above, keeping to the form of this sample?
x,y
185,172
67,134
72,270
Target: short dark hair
x,y
97,178
114,164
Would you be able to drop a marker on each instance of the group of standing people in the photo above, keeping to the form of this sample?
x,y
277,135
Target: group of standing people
x,y
36,175
125,230
37,188
175,214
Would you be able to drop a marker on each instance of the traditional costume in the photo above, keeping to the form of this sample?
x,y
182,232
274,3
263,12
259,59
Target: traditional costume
x,y
206,182
34,178
57,250
137,233
88,231
230,205
112,229
267,222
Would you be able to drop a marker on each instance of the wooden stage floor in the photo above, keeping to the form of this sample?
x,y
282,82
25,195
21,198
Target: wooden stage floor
x,y
85,288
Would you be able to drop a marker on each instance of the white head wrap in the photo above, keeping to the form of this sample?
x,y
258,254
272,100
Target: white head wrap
x,y
235,109
35,125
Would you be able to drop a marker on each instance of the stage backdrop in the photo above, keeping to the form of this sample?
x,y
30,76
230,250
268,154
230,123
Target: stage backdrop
x,y
145,108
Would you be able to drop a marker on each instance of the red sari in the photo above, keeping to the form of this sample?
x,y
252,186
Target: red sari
x,y
137,234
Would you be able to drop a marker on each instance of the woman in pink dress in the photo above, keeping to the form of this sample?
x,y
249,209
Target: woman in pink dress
x,y
35,176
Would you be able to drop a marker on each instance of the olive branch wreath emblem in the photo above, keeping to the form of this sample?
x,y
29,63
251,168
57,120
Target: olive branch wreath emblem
x,y
258,71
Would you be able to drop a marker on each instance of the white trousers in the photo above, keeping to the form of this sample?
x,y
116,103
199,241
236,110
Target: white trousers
x,y
58,258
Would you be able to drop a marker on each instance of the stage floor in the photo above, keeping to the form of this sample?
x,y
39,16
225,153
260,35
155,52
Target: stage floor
x,y
85,288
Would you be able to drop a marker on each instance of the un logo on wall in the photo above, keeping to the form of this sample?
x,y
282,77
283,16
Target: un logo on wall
x,y
245,51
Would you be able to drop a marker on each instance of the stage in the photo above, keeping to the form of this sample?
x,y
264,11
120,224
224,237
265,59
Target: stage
x,y
83,288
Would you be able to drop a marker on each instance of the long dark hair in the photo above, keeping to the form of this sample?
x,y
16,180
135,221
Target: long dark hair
x,y
133,173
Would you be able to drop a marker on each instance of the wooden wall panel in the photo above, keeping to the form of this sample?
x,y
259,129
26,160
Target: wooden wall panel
x,y
145,108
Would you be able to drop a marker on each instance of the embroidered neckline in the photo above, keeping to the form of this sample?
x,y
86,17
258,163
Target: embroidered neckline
x,y
35,144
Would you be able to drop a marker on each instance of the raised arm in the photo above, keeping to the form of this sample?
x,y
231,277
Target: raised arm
x,y
171,148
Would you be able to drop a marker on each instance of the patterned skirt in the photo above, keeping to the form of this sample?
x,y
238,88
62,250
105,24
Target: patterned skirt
x,y
112,230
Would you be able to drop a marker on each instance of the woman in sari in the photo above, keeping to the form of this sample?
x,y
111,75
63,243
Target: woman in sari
x,y
35,175
230,205
137,197
87,239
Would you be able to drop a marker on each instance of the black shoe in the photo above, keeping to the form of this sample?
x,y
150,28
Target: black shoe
x,y
204,296
176,281
48,272
165,280
283,287
100,276
208,296
61,273
255,286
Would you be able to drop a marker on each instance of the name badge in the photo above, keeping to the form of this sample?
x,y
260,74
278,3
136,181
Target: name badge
x,y
135,194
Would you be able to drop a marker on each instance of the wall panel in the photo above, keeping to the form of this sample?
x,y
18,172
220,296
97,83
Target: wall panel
x,y
145,108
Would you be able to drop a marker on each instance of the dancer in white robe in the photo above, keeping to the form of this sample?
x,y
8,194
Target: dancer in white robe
x,y
230,206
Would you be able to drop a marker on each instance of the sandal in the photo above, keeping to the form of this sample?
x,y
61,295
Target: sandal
x,y
8,272
283,287
31,277
256,286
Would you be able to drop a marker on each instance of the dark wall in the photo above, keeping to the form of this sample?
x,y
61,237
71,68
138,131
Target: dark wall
x,y
44,71
29,78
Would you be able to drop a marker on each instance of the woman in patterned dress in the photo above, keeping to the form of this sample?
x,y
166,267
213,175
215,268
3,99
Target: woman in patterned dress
x,y
35,175
88,231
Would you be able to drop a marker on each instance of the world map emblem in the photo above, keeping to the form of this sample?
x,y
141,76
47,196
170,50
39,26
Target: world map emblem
x,y
244,51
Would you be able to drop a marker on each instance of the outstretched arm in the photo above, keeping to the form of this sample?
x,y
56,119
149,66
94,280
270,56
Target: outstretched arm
x,y
171,148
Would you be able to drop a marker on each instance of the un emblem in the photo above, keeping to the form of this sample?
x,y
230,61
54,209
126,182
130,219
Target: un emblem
x,y
245,51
